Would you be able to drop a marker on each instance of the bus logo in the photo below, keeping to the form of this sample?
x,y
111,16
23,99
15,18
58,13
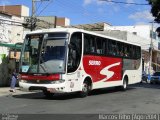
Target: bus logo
x,y
105,71
94,62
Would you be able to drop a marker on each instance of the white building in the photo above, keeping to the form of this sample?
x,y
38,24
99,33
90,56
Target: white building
x,y
144,31
4,33
11,32
4,51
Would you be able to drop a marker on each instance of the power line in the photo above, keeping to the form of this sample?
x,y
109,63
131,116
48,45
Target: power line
x,y
45,7
131,3
37,8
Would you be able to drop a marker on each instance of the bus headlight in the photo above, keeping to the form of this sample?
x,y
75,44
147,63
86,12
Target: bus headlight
x,y
57,81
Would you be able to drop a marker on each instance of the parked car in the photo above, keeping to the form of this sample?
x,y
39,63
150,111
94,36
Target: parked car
x,y
155,78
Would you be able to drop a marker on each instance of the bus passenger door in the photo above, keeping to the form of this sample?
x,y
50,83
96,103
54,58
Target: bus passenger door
x,y
74,60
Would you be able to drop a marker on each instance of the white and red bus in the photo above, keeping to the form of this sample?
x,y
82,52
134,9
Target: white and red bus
x,y
68,60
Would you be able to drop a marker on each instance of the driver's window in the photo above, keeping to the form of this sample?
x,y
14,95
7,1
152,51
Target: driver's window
x,y
75,52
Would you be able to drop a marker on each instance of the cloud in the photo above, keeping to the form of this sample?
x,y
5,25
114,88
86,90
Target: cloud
x,y
101,10
98,2
142,16
87,2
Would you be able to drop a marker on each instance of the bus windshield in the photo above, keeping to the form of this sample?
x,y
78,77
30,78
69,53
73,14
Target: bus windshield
x,y
44,53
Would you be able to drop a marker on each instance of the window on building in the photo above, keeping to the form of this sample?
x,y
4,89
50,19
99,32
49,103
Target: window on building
x,y
134,33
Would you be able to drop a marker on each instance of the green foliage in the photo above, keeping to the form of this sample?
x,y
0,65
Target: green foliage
x,y
155,10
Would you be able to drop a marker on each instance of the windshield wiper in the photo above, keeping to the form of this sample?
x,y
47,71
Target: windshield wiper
x,y
45,66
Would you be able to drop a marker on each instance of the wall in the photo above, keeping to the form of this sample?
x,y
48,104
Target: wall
x,y
63,22
145,43
16,33
116,34
140,30
17,10
9,34
4,27
3,66
4,38
24,11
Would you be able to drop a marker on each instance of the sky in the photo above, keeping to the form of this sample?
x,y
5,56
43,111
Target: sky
x,y
91,11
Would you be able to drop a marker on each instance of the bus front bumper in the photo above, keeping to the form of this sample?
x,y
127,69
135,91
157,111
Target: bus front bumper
x,y
52,88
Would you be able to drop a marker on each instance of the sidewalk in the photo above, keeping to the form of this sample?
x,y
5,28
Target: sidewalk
x,y
4,91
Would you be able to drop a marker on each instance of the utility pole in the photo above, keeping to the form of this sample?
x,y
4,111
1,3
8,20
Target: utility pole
x,y
33,8
33,16
55,22
151,49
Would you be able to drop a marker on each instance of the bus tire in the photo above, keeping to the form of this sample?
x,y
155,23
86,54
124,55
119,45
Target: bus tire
x,y
48,94
125,84
85,89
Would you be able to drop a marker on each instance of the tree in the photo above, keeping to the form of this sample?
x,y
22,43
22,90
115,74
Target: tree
x,y
155,10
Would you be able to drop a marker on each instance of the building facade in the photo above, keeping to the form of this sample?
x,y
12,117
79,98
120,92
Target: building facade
x,y
11,32
144,31
45,22
4,51
15,10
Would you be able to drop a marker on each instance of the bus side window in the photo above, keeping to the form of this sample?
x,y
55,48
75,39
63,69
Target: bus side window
x,y
75,50
114,48
133,51
89,44
86,44
109,47
93,47
104,46
138,52
130,51
125,50
99,43
119,49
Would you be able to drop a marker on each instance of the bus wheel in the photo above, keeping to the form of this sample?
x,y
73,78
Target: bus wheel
x,y
85,89
48,94
125,84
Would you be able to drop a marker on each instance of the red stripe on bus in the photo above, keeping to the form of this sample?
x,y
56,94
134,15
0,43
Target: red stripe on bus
x,y
40,77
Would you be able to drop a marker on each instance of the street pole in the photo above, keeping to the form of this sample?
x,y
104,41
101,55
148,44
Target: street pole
x,y
151,49
55,22
33,8
33,16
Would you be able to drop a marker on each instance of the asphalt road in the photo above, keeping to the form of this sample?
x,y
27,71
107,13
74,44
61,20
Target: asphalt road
x,y
139,98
